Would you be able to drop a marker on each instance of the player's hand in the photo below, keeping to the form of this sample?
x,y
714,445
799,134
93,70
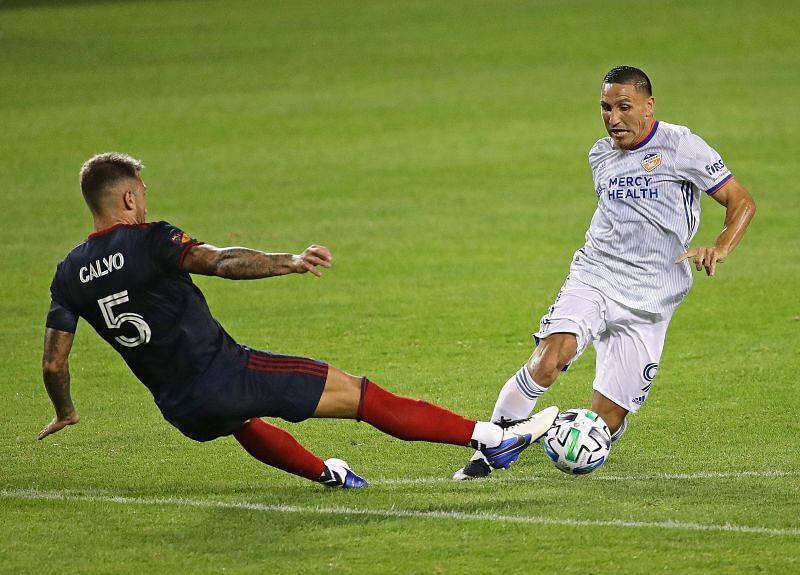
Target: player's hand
x,y
311,258
705,257
58,424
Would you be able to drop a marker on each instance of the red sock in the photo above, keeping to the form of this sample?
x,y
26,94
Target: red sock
x,y
275,447
412,419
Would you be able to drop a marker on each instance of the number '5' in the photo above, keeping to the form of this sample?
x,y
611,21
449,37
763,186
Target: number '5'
x,y
116,322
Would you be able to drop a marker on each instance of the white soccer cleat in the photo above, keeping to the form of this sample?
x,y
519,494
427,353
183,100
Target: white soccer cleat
x,y
337,473
517,437
537,424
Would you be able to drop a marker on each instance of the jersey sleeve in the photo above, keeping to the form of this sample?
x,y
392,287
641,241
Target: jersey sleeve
x,y
596,152
60,316
169,245
702,165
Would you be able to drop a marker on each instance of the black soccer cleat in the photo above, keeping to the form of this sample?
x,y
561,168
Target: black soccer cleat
x,y
474,469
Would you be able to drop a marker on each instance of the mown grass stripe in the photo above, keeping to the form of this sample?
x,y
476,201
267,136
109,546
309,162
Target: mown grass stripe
x,y
395,513
702,475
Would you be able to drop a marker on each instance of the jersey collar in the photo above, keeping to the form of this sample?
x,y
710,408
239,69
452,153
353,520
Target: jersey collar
x,y
107,231
647,138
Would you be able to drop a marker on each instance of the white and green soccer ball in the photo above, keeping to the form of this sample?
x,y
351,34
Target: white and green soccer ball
x,y
578,442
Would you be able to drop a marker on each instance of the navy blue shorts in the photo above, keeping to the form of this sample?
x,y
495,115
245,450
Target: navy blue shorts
x,y
247,384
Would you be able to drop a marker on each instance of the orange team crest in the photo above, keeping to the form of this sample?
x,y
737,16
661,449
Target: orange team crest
x,y
180,238
651,162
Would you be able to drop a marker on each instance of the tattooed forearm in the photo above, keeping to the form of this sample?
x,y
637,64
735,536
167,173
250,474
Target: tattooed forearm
x,y
247,264
55,369
244,263
57,384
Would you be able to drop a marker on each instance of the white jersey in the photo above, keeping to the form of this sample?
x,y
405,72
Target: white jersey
x,y
647,213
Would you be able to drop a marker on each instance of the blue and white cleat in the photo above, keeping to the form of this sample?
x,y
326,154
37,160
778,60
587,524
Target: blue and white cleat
x,y
518,437
337,473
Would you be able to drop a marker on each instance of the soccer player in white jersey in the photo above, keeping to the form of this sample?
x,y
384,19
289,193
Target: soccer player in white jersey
x,y
633,271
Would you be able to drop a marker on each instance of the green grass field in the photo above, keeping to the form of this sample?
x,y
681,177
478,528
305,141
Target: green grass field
x,y
439,150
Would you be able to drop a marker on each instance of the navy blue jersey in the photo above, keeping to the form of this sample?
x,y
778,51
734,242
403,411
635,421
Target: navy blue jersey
x,y
127,283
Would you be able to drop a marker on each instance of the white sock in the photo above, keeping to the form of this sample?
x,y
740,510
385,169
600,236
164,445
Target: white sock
x,y
517,397
620,431
486,434
516,400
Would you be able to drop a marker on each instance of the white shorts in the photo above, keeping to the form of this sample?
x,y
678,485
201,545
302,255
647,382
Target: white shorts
x,y
628,342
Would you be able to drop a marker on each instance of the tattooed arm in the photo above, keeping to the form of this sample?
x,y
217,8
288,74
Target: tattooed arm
x,y
245,263
55,372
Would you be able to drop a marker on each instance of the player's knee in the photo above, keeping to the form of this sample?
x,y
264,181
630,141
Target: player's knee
x,y
545,368
341,396
551,357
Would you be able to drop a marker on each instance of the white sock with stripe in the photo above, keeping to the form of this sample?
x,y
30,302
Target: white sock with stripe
x,y
518,397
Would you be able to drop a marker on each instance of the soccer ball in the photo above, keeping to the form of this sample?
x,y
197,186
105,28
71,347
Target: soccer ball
x,y
578,442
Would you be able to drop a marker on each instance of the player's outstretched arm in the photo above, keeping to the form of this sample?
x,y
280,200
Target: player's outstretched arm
x,y
245,263
739,210
55,372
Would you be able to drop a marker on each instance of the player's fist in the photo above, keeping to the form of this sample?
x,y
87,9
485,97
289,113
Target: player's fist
x,y
312,257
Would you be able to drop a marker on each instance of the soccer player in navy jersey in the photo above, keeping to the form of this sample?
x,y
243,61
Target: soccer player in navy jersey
x,y
130,280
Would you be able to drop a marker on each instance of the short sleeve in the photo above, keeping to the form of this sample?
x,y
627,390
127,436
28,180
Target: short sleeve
x,y
169,245
597,152
701,165
60,316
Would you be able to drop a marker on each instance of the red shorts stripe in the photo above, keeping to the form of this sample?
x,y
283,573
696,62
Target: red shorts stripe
x,y
287,364
320,374
282,360
288,367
